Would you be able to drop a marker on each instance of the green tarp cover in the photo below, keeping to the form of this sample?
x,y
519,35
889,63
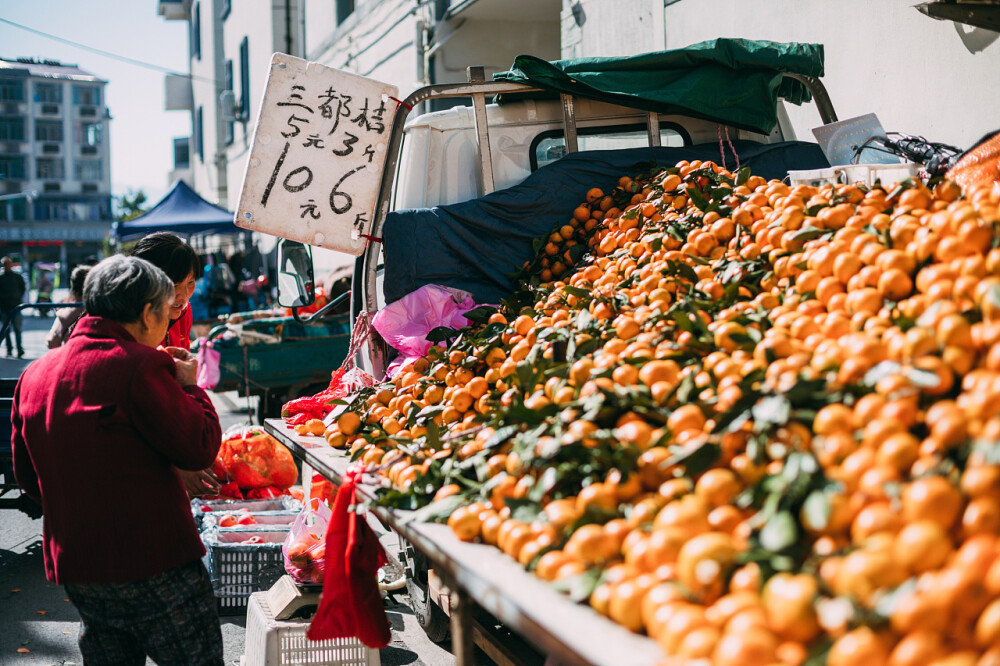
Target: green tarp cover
x,y
736,82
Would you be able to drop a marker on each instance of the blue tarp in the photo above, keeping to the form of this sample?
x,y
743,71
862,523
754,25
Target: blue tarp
x,y
181,211
474,245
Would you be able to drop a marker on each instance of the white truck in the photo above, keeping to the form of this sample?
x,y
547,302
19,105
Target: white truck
x,y
443,158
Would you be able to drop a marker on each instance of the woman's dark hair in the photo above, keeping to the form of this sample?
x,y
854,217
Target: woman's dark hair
x,y
119,288
170,254
76,280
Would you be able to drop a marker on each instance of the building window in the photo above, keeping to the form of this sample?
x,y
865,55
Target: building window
x,y
49,168
199,143
87,95
182,153
344,9
48,93
228,122
51,210
88,170
48,130
11,90
196,31
245,78
88,133
225,6
11,129
13,210
12,166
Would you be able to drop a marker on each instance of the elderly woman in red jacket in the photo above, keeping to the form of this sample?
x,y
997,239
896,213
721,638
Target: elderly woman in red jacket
x,y
99,426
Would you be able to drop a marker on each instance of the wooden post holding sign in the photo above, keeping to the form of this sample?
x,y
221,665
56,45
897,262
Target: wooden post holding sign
x,y
318,152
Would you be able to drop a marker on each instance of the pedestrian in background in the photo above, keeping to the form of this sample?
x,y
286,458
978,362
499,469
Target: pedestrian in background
x,y
12,290
66,318
99,426
44,295
180,262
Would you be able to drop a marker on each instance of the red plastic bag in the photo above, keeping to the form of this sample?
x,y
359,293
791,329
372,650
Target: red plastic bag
x,y
304,549
323,489
351,605
253,459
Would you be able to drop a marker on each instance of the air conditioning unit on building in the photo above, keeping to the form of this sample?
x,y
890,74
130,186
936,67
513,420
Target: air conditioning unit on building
x,y
228,107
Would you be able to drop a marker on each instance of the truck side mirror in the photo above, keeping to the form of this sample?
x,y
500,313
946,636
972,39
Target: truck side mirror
x,y
296,283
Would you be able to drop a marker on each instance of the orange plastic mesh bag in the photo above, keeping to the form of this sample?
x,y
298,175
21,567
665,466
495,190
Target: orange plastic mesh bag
x,y
253,459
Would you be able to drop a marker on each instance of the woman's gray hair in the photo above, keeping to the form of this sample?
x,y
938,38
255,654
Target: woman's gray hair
x,y
119,288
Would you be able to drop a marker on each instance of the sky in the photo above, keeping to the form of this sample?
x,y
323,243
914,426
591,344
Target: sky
x,y
141,132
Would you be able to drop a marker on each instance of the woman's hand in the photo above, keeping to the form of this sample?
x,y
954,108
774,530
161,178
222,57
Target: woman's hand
x,y
200,483
185,366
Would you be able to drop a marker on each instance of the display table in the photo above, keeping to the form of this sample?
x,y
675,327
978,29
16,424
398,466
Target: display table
x,y
526,605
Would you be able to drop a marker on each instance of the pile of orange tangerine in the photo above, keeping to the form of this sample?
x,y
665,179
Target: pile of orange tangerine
x,y
758,422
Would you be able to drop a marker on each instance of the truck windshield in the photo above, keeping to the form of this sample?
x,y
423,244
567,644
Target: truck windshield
x,y
550,146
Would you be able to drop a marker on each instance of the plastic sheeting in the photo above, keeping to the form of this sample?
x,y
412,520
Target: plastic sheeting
x,y
732,81
474,245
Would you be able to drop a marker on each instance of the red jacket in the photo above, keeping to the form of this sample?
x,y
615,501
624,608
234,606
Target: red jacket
x,y
98,426
179,333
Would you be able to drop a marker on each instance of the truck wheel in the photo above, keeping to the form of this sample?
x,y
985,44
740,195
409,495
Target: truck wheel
x,y
430,618
269,404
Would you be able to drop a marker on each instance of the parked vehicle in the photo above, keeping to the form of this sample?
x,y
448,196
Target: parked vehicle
x,y
452,161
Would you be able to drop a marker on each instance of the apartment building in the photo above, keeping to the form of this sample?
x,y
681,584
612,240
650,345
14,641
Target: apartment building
x,y
55,177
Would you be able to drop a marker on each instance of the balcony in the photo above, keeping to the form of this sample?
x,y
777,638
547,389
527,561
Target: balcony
x,y
174,10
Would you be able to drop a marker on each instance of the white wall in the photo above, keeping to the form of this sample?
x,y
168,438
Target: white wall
x,y
934,78
611,27
263,23
494,45
204,175
377,41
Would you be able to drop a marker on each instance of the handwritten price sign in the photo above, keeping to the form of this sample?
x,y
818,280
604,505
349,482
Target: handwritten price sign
x,y
318,153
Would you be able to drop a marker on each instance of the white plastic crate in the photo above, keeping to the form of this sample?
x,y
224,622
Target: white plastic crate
x,y
867,174
201,508
271,642
238,569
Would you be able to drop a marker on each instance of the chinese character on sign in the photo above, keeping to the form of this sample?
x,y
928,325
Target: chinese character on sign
x,y
295,99
310,209
343,109
375,122
313,141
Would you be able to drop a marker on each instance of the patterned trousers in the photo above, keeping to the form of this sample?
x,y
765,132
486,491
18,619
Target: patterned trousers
x,y
171,617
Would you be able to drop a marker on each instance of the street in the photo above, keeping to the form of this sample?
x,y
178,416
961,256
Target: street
x,y
38,619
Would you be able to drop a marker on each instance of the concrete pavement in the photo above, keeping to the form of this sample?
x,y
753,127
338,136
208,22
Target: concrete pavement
x,y
36,616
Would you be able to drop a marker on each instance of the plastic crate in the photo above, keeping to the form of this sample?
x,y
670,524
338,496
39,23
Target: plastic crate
x,y
271,642
239,569
200,508
263,518
867,174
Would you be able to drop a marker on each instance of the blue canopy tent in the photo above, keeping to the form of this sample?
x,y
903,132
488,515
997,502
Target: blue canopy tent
x,y
181,211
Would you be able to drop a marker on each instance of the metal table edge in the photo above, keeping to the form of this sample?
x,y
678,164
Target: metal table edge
x,y
482,591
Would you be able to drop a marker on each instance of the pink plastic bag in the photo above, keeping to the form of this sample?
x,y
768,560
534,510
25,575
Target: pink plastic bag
x,y
304,550
406,323
208,365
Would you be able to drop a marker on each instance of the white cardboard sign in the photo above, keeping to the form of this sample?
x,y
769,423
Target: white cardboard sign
x,y
318,152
